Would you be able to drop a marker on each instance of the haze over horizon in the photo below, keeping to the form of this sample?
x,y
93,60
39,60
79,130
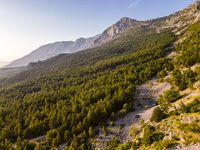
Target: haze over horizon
x,y
26,25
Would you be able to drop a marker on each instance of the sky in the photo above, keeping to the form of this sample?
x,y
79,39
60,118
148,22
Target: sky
x,y
27,24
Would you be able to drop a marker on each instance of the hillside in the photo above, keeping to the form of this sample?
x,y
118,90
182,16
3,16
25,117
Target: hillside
x,y
174,121
67,101
101,58
88,89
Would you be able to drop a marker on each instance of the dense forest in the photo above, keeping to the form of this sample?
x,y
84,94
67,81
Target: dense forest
x,y
165,114
66,97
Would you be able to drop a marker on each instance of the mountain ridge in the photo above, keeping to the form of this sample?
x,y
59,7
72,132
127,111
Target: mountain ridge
x,y
52,49
178,21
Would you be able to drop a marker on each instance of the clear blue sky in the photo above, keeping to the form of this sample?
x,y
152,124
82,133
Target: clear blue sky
x,y
27,24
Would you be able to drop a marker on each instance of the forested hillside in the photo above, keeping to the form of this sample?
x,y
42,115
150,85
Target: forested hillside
x,y
175,119
67,104
63,100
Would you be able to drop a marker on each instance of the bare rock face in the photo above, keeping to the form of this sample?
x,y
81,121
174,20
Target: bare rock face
x,y
120,26
113,31
179,20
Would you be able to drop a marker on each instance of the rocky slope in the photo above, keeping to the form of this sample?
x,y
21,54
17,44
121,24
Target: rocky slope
x,y
122,25
144,103
179,20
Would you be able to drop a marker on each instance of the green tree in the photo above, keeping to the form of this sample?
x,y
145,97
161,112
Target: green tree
x,y
158,115
91,132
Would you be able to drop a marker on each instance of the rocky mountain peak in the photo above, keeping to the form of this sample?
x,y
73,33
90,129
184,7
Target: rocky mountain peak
x,y
126,20
80,39
123,24
113,31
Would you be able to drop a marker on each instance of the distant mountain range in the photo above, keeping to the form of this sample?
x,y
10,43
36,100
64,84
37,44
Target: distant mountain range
x,y
178,21
50,50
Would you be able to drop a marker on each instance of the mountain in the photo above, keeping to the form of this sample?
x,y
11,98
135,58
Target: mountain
x,y
178,21
53,49
122,25
50,50
100,98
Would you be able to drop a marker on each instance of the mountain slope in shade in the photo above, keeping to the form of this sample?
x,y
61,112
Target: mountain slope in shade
x,y
50,50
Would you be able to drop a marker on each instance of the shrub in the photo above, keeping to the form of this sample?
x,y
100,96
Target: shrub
x,y
158,115
148,133
191,107
189,139
112,144
112,123
91,132
168,97
157,136
162,74
184,79
165,144
135,145
125,146
190,127
151,136
133,131
149,129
